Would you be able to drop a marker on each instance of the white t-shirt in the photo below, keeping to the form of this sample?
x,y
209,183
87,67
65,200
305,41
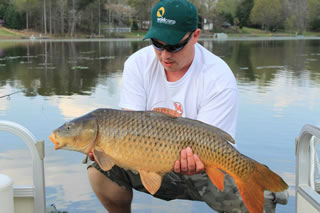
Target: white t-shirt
x,y
207,92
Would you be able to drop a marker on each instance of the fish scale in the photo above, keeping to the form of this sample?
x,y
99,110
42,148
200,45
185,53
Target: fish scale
x,y
151,142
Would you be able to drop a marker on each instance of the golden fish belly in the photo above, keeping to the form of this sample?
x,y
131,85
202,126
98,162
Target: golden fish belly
x,y
137,153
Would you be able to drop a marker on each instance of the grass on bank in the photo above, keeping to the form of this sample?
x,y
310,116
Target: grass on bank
x,y
5,32
252,32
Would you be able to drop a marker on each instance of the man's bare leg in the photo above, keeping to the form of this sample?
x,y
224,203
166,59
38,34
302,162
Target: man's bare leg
x,y
114,198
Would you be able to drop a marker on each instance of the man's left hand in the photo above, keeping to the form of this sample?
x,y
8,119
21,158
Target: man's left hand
x,y
189,163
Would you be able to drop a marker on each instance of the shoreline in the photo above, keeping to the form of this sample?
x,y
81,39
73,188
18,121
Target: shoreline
x,y
233,38
10,35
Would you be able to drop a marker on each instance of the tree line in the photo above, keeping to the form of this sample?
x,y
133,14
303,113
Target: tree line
x,y
69,17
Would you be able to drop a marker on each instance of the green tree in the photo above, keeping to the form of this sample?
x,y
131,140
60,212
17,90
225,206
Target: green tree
x,y
134,25
3,7
25,7
243,12
12,18
314,14
2,11
266,13
227,9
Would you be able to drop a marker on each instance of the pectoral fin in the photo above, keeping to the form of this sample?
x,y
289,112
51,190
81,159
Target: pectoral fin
x,y
216,176
104,160
151,181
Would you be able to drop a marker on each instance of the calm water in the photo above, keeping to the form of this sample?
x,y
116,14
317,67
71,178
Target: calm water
x,y
279,83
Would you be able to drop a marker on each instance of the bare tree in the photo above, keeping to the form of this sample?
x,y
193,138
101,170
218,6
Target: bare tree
x,y
142,11
301,15
44,17
118,13
61,8
50,16
27,14
73,19
99,16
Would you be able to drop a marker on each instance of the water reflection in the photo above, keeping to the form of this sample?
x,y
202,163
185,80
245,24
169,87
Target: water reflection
x,y
279,83
63,68
259,61
67,68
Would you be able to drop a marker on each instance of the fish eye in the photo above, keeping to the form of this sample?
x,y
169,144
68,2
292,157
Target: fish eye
x,y
69,125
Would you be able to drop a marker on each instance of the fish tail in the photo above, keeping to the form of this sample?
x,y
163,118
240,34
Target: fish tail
x,y
252,189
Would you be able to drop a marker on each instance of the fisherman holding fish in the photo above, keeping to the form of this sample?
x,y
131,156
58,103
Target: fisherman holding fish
x,y
178,76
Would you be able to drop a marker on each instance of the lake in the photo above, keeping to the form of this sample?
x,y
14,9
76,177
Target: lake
x,y
55,81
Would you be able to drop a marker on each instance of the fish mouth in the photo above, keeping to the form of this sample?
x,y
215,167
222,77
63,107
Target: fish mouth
x,y
54,141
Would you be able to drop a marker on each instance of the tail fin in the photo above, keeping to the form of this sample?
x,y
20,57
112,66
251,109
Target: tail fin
x,y
252,189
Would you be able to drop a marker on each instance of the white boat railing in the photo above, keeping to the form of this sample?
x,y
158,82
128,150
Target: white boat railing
x,y
308,170
37,190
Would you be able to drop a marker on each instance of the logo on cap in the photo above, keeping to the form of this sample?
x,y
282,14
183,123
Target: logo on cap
x,y
160,12
161,19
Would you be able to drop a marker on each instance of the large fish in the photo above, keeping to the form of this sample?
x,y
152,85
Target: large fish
x,y
150,143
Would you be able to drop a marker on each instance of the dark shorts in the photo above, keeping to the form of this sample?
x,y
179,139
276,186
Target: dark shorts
x,y
196,187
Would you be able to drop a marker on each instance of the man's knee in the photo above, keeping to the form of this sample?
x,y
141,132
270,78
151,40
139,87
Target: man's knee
x,y
110,194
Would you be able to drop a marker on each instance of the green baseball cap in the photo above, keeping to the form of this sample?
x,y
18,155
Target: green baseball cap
x,y
171,20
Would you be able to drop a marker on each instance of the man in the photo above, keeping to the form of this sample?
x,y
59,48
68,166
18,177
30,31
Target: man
x,y
178,76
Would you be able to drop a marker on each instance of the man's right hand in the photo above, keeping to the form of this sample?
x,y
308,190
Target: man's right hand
x,y
189,163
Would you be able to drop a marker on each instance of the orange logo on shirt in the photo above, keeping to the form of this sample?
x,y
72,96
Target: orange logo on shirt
x,y
178,107
176,113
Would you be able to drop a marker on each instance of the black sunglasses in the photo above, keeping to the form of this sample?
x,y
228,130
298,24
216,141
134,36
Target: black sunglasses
x,y
171,48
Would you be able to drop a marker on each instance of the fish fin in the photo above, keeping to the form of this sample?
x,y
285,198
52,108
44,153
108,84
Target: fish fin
x,y
104,161
216,176
226,136
151,181
252,189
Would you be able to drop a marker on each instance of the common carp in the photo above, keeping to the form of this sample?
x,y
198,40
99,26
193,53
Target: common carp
x,y
150,142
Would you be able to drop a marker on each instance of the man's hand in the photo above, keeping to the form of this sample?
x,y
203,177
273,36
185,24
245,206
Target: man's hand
x,y
189,163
